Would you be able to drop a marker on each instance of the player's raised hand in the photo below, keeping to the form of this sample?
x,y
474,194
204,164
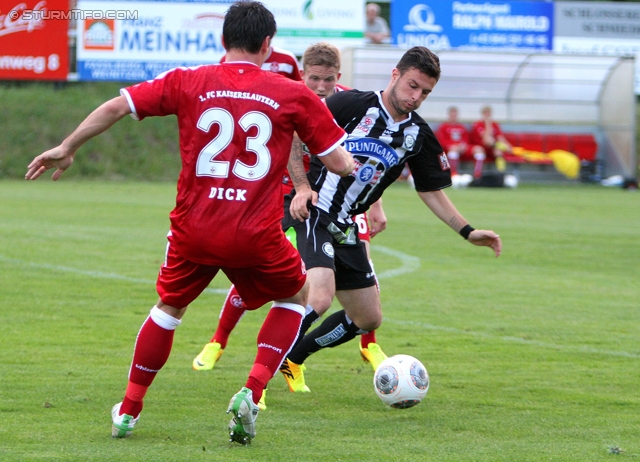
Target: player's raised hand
x,y
58,158
486,238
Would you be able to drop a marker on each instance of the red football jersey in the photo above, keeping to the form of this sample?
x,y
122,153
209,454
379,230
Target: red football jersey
x,y
281,62
450,134
477,130
236,124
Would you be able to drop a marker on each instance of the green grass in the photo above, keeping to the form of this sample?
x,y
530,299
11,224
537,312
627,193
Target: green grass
x,y
37,116
532,356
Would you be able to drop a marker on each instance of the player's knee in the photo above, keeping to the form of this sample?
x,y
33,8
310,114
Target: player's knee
x,y
370,322
320,303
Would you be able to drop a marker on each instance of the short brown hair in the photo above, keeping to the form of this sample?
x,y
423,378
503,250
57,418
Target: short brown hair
x,y
420,58
321,54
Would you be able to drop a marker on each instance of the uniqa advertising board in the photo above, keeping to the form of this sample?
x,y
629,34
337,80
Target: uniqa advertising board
x,y
443,25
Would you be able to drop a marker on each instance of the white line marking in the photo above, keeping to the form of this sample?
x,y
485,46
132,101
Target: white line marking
x,y
555,346
93,274
409,262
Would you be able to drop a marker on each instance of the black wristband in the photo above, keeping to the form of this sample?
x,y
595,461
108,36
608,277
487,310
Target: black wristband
x,y
466,230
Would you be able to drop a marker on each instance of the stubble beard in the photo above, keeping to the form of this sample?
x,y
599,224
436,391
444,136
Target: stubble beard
x,y
395,102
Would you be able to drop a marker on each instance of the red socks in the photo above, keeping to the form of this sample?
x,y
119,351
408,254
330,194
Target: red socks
x,y
257,381
155,339
132,402
477,169
232,311
454,161
479,160
366,339
150,353
276,337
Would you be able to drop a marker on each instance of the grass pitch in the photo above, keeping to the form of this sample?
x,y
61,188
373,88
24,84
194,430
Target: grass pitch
x,y
532,356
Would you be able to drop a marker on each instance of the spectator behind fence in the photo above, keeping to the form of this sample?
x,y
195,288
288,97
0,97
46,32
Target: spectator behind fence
x,y
376,28
487,142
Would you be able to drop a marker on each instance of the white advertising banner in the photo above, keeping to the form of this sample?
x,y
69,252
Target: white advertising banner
x,y
137,40
147,39
303,22
600,28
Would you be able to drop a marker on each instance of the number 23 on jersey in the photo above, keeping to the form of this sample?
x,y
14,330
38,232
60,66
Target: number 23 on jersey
x,y
208,166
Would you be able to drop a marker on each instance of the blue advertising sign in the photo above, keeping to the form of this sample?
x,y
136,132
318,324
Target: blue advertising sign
x,y
443,25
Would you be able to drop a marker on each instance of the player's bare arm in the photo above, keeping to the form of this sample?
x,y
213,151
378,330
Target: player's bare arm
x,y
443,208
304,193
377,218
339,161
61,157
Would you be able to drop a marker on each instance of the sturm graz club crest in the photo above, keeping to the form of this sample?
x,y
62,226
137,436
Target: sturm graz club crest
x,y
327,248
409,142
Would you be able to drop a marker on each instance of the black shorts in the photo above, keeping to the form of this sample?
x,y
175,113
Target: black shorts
x,y
319,248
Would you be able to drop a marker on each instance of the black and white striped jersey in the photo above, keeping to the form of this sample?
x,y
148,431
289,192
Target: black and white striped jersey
x,y
381,148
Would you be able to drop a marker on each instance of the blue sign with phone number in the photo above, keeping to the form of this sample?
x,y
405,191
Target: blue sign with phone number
x,y
442,25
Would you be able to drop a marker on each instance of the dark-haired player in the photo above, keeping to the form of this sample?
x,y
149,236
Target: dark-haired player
x,y
385,133
236,125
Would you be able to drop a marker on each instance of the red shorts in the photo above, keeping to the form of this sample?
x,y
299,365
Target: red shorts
x,y
363,226
282,276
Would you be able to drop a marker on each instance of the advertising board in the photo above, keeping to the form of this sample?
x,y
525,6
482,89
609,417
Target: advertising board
x,y
137,40
442,25
600,28
34,41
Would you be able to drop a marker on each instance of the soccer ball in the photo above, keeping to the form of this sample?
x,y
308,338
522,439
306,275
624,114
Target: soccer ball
x,y
401,381
510,181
